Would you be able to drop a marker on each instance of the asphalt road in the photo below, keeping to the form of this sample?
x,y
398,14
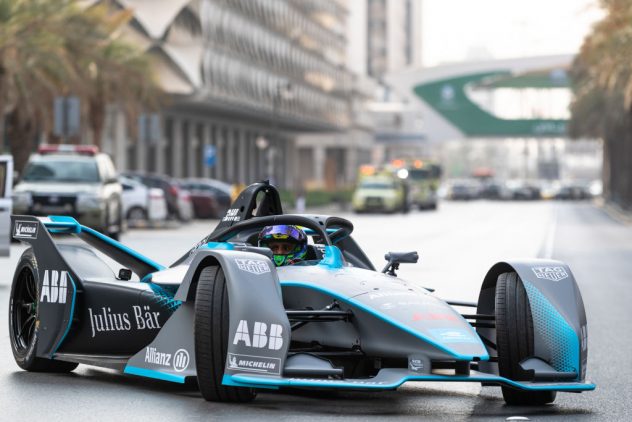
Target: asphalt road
x,y
457,245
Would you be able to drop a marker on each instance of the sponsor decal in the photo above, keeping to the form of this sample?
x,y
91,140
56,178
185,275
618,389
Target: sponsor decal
x,y
179,360
260,337
416,364
232,215
152,355
380,295
346,381
550,273
198,246
54,287
105,320
25,229
254,266
429,316
453,335
261,364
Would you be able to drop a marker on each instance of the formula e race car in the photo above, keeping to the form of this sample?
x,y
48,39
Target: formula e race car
x,y
226,316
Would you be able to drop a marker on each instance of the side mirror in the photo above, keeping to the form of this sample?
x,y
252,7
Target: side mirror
x,y
396,258
125,274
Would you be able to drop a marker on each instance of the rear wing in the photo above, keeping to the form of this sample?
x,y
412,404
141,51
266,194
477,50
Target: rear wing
x,y
35,231
59,283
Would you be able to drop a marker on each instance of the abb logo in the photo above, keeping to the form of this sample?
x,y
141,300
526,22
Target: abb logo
x,y
260,337
54,286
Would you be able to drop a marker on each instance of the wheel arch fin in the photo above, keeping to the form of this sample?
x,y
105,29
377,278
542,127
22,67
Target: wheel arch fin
x,y
557,308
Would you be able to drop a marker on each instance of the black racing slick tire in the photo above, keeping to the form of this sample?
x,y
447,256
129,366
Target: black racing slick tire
x,y
24,319
514,339
211,338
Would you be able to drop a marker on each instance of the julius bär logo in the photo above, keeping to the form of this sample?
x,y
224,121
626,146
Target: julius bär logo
x,y
25,229
54,286
550,273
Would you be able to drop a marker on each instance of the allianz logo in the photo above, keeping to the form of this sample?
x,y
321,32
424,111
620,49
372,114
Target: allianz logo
x,y
180,360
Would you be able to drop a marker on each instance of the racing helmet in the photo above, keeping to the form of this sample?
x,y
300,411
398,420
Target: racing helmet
x,y
283,233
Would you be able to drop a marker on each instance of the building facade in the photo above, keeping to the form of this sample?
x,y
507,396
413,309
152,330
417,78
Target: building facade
x,y
393,36
244,78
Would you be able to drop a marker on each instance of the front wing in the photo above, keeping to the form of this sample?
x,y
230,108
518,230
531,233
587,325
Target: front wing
x,y
392,378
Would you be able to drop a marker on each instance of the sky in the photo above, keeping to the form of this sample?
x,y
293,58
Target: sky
x,y
460,30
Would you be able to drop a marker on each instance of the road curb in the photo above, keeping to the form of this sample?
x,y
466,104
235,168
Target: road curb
x,y
615,212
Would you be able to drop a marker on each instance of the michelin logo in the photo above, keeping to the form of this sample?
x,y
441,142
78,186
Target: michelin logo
x,y
260,364
25,229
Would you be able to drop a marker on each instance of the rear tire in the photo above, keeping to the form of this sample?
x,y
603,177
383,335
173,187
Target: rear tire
x,y
23,329
211,338
514,339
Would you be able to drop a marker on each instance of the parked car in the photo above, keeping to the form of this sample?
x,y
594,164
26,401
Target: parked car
x,y
141,203
464,190
524,190
211,198
574,191
178,203
185,204
72,180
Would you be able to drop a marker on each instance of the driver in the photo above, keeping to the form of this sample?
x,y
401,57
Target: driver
x,y
288,243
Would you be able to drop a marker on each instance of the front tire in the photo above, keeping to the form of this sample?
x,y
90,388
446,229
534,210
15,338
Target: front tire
x,y
514,339
23,317
211,338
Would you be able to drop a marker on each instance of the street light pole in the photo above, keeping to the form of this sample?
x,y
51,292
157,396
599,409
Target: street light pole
x,y
284,91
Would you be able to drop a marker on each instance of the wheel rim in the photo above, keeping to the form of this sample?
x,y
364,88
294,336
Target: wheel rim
x,y
24,310
136,215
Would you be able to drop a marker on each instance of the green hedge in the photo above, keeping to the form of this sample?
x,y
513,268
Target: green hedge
x,y
318,198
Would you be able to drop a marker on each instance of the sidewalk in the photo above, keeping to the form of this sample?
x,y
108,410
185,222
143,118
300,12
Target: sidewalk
x,y
615,212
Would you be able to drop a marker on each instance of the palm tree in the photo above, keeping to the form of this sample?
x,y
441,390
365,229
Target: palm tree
x,y
52,47
34,67
602,85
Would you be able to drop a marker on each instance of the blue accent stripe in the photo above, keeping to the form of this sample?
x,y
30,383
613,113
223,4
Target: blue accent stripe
x,y
332,258
64,222
241,380
385,318
72,313
150,373
220,245
122,247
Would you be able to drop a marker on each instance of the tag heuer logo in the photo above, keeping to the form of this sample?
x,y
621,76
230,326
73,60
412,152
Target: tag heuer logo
x,y
550,273
26,229
254,266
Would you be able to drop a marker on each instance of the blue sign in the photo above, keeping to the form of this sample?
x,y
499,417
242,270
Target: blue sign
x,y
210,155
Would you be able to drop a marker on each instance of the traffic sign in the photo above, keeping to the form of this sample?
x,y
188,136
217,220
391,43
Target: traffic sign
x,y
210,155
